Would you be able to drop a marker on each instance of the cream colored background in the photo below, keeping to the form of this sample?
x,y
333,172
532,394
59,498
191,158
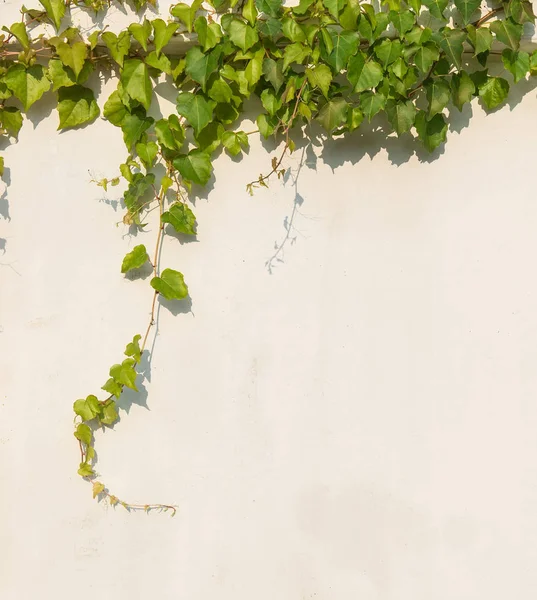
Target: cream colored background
x,y
361,424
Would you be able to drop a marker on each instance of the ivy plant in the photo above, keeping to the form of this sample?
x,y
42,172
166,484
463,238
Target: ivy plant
x,y
336,62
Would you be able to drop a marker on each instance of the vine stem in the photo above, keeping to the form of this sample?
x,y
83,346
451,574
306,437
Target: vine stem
x,y
488,16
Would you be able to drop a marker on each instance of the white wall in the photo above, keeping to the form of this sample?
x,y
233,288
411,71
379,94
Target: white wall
x,y
359,424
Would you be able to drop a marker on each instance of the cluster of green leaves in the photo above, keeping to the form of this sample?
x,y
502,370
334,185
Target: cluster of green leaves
x,y
335,62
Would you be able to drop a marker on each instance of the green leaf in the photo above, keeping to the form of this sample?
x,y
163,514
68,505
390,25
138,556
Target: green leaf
x,y
10,120
135,81
372,103
161,63
233,142
27,84
348,19
208,139
467,8
85,470
493,92
134,259
62,76
273,73
436,7
452,44
209,34
388,51
73,56
292,30
518,63
133,126
480,38
438,95
110,415
432,132
201,66
141,32
401,115
170,284
355,117
425,57
195,109
125,373
83,433
463,89
133,348
186,12
521,11
319,76
162,33
271,102
270,7
345,45
403,21
170,135
181,218
55,10
195,166
333,113
254,69
294,53
119,45
76,106
302,7
1,166
266,128
19,31
363,74
334,6
242,35
114,110
507,32
112,387
249,12
220,91
87,409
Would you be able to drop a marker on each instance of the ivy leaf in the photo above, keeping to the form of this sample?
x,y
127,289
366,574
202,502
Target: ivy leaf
x,y
83,433
1,166
401,115
493,92
254,69
242,35
97,489
55,10
11,120
209,139
249,12
73,56
161,63
119,45
333,113
195,166
388,51
141,32
463,89
319,76
334,6
171,284
271,102
76,106
201,66
355,118
467,8
181,218
438,95
270,7
345,45
209,34
436,7
62,76
518,63
19,31
125,373
133,348
521,11
110,415
294,53
135,81
507,32
195,109
114,110
273,73
170,133
480,38
425,57
363,74
135,259
432,132
27,84
147,151
292,30
162,33
112,387
372,104
403,21
186,12
87,409
233,142
220,91
452,44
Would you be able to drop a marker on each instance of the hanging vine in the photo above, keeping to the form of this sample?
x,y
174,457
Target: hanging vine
x,y
338,62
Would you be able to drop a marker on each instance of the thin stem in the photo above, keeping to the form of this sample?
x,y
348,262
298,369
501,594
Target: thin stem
x,y
488,16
